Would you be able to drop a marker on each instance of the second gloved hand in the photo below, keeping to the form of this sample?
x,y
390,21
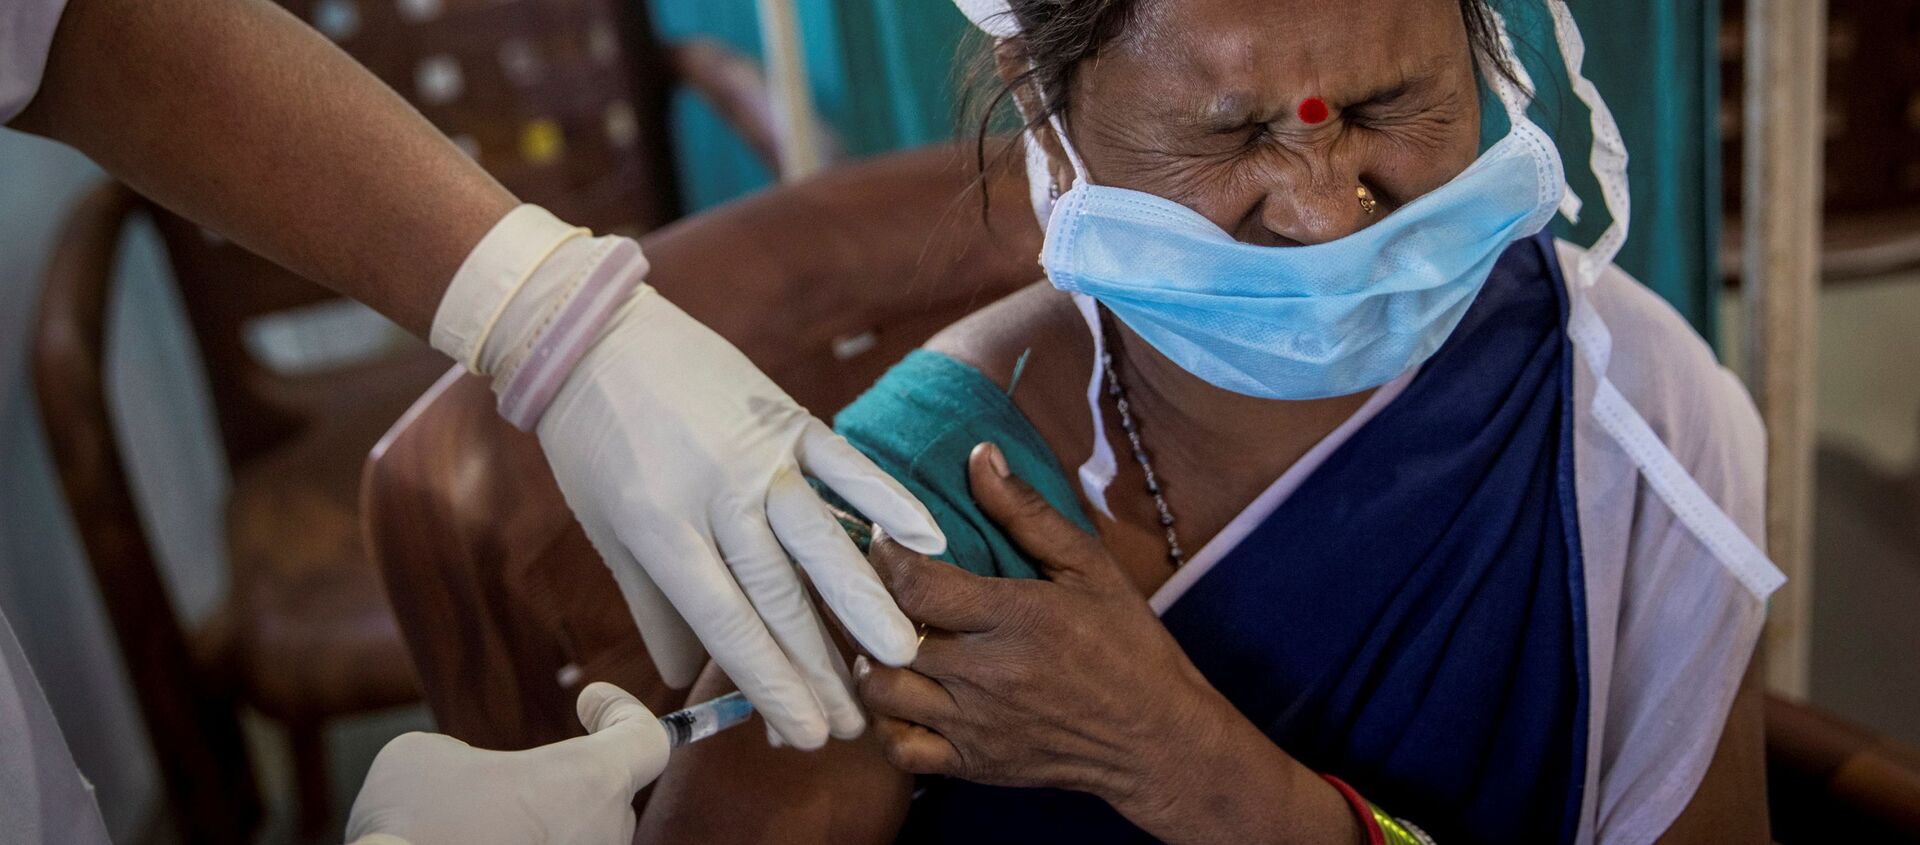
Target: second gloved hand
x,y
687,467
432,789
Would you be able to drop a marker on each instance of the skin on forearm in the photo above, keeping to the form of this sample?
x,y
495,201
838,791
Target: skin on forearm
x,y
1232,785
237,116
1225,782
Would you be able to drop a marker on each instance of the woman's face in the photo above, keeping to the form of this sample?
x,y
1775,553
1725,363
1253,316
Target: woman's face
x,y
1199,101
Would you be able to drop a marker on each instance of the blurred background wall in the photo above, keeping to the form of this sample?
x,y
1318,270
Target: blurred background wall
x,y
882,73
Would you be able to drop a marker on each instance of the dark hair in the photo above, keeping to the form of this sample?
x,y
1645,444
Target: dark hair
x,y
1057,35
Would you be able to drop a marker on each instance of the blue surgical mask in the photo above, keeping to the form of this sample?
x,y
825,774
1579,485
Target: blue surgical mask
x,y
1303,322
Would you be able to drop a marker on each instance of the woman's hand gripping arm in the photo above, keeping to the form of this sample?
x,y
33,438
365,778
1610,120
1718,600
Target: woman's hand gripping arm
x,y
1073,683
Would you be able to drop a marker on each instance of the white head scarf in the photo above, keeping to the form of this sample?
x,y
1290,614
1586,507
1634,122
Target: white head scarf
x,y
993,17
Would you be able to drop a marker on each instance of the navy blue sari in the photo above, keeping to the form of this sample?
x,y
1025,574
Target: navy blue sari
x,y
1412,618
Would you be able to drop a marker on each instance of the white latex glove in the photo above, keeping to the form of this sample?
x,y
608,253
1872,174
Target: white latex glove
x,y
685,464
432,789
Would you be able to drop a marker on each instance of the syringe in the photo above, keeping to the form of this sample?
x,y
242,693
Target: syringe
x,y
685,727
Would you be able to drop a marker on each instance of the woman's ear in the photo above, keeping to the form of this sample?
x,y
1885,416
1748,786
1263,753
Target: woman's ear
x,y
1057,165
1009,60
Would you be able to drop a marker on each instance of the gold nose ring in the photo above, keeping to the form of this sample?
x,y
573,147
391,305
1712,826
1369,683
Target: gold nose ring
x,y
1367,202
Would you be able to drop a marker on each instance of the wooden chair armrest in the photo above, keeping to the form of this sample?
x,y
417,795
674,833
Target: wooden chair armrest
x,y
1830,780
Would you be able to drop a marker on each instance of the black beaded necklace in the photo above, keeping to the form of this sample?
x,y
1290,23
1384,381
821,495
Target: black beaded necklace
x,y
1127,424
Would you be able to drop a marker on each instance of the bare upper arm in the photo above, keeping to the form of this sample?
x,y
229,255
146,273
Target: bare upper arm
x,y
1730,806
1040,325
1036,317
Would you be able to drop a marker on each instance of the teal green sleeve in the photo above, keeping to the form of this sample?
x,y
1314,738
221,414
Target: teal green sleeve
x,y
921,420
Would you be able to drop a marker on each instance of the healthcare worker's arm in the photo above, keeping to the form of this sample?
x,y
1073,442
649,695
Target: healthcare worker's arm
x,y
683,462
429,789
239,117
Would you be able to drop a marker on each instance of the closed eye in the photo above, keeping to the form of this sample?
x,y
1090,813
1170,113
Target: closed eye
x,y
1412,99
1414,117
1255,134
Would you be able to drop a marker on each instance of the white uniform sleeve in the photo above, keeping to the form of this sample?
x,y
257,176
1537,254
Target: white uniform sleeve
x,y
43,798
1671,628
26,33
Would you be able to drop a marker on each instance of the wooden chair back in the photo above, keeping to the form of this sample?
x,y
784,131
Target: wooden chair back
x,y
497,591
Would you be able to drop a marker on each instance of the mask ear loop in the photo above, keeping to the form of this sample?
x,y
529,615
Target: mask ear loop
x,y
1040,188
1101,467
1096,474
1073,156
1514,99
1519,100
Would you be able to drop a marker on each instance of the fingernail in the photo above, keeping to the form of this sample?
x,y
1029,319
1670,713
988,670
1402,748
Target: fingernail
x,y
997,460
861,667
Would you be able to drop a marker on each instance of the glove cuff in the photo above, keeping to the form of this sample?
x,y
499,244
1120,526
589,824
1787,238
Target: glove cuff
x,y
529,384
498,267
528,303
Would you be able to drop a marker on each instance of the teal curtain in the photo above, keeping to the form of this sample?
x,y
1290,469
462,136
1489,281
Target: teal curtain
x,y
714,164
884,74
1656,64
881,71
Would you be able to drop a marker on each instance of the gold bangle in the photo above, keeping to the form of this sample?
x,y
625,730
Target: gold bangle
x,y
1398,831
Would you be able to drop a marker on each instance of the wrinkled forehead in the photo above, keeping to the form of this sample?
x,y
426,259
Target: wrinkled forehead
x,y
1226,56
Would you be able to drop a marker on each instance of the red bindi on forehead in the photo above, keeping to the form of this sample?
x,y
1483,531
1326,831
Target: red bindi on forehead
x,y
1313,110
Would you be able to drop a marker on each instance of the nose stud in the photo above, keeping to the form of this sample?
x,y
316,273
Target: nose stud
x,y
1367,202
